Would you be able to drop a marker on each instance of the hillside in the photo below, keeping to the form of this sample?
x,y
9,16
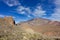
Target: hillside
x,y
44,26
36,29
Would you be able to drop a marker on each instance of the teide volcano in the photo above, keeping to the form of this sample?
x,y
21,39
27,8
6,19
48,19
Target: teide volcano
x,y
44,26
35,29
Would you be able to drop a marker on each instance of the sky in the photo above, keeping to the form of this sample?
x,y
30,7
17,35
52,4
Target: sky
x,y
23,10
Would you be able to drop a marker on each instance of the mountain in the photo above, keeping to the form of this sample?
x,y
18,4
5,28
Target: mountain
x,y
35,29
44,26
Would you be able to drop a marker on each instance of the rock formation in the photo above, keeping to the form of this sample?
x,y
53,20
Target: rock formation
x,y
6,21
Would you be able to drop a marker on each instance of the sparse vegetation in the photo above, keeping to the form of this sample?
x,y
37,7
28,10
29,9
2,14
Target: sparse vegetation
x,y
17,33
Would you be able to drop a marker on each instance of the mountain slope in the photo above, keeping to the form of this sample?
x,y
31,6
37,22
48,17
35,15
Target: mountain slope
x,y
27,31
44,26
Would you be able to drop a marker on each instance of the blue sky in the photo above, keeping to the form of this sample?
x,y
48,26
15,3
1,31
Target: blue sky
x,y
23,10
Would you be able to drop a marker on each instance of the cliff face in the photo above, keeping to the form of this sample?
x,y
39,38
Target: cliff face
x,y
6,21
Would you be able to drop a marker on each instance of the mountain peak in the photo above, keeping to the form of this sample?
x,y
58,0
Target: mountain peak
x,y
44,26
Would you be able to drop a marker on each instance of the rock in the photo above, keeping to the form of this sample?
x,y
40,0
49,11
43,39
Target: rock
x,y
7,21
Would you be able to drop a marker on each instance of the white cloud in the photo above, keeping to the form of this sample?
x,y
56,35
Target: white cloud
x,y
1,15
29,16
23,10
37,12
11,2
20,10
57,2
56,15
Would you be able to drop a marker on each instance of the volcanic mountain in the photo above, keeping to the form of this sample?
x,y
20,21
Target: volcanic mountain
x,y
44,26
35,29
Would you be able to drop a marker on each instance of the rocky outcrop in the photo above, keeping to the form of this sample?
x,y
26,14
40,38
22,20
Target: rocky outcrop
x,y
7,21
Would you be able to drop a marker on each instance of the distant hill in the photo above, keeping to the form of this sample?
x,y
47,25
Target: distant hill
x,y
44,26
